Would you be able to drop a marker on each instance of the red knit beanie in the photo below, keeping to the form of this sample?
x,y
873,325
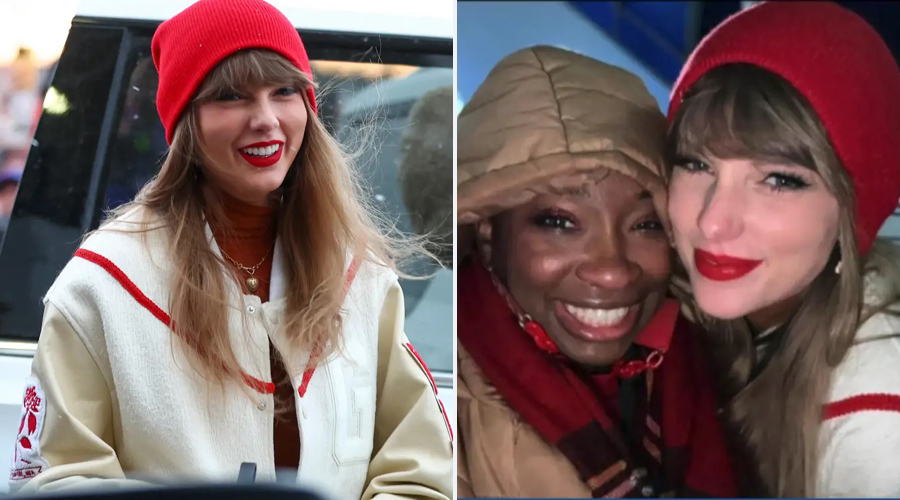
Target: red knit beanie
x,y
188,46
840,64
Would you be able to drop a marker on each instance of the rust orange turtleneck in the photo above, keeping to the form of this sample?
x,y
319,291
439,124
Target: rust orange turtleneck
x,y
251,238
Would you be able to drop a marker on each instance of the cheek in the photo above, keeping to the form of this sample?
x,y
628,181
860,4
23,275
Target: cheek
x,y
802,235
534,263
537,260
216,130
686,195
652,255
294,117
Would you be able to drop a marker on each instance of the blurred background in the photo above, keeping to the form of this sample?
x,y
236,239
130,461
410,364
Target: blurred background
x,y
32,35
650,39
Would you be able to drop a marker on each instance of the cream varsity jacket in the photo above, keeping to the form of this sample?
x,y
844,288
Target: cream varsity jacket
x,y
112,401
861,433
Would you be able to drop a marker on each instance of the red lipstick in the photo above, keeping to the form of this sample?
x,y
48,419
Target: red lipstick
x,y
262,161
722,267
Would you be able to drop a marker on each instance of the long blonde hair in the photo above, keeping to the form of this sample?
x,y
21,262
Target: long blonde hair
x,y
322,217
742,111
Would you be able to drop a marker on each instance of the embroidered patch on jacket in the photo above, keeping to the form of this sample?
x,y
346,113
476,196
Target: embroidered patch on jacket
x,y
419,361
27,460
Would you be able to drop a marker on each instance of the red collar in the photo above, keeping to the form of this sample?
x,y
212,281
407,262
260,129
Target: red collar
x,y
658,333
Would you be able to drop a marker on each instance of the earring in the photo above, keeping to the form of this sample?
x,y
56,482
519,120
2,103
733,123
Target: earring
x,y
837,268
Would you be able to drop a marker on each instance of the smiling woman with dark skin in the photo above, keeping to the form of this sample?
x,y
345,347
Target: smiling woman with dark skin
x,y
590,265
576,373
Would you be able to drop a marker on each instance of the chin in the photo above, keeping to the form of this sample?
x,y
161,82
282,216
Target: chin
x,y
265,185
269,187
592,353
601,355
721,305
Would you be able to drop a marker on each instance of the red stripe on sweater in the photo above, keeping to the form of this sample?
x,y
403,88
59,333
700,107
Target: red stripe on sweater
x,y
446,419
126,283
257,384
421,362
424,367
317,349
308,373
155,310
862,402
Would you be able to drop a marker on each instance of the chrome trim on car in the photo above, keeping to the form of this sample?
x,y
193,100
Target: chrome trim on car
x,y
17,348
443,380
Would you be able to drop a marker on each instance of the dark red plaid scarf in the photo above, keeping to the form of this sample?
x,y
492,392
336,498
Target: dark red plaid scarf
x,y
678,448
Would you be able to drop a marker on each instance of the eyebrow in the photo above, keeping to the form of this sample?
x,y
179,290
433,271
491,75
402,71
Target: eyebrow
x,y
784,163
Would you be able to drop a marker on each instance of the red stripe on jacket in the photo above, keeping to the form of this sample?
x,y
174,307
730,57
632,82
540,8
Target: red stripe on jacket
x,y
142,299
862,402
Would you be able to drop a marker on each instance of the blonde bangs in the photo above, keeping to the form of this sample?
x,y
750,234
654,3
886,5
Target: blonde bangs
x,y
730,113
251,68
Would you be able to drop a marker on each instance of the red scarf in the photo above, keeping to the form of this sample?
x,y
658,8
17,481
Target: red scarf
x,y
679,448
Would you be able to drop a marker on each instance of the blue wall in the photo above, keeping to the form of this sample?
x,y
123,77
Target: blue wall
x,y
488,31
661,34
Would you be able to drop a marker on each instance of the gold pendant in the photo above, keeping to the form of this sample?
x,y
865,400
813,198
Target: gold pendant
x,y
252,283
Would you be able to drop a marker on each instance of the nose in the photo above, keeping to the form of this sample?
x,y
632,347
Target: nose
x,y
721,219
606,264
263,117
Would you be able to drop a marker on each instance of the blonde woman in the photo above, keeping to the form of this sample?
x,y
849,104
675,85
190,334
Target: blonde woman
x,y
243,307
784,138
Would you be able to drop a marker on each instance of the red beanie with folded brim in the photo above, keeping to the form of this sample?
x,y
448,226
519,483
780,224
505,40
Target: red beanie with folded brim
x,y
840,64
188,46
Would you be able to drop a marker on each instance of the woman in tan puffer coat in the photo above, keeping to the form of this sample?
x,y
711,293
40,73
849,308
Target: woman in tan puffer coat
x,y
576,373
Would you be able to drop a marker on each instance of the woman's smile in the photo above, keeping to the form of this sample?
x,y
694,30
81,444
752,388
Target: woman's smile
x,y
262,154
597,324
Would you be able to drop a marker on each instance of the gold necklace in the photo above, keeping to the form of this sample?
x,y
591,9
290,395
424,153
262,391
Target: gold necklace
x,y
252,282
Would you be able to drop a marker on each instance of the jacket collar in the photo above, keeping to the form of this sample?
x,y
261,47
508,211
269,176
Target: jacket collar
x,y
658,333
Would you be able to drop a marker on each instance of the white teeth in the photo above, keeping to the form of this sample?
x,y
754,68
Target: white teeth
x,y
262,152
598,317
